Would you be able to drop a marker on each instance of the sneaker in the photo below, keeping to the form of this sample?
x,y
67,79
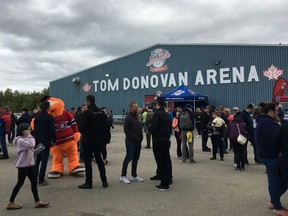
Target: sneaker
x,y
85,186
192,161
213,158
124,180
43,183
78,169
155,178
162,188
54,175
136,179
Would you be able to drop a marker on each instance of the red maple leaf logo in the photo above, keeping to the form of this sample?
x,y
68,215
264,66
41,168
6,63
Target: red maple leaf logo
x,y
86,87
273,73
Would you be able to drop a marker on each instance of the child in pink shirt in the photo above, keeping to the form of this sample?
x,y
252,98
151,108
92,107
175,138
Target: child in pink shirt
x,y
25,161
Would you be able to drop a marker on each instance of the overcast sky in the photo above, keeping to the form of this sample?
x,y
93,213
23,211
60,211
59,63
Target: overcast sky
x,y
43,40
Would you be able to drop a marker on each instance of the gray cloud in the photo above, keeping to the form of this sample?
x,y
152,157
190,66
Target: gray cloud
x,y
45,40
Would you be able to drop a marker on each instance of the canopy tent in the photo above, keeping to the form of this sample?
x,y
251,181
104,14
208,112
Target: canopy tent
x,y
183,94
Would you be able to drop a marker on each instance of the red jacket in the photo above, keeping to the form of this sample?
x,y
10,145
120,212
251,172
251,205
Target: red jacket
x,y
7,119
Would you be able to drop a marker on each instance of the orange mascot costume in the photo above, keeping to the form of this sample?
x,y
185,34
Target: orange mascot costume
x,y
67,136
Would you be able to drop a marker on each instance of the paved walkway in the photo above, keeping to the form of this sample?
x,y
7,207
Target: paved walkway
x,y
205,188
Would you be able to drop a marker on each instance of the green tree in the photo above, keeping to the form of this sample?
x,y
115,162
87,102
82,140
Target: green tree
x,y
16,100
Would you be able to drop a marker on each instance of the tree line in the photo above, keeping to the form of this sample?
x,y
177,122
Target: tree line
x,y
17,101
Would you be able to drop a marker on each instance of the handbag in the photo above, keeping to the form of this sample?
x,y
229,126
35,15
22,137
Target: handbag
x,y
241,139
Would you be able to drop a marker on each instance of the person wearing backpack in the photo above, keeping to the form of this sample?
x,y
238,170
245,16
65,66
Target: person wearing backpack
x,y
186,125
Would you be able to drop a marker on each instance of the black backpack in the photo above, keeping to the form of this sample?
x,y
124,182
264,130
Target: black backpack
x,y
185,121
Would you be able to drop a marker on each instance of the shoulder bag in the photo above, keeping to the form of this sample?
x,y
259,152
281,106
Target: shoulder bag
x,y
241,139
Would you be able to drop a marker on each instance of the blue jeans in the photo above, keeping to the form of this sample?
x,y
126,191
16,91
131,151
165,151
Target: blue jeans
x,y
190,146
42,158
276,184
132,154
3,145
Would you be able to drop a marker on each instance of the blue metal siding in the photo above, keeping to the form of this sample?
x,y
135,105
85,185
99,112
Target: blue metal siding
x,y
184,58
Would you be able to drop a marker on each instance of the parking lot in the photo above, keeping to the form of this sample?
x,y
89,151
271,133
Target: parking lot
x,y
205,188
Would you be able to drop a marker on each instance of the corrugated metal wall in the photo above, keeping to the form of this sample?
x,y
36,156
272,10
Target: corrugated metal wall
x,y
184,58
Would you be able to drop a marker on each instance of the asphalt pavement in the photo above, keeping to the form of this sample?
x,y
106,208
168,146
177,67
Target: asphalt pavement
x,y
202,189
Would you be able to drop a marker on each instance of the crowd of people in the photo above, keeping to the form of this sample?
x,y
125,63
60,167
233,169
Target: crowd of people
x,y
263,127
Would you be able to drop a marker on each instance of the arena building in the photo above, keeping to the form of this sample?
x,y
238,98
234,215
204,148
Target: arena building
x,y
229,74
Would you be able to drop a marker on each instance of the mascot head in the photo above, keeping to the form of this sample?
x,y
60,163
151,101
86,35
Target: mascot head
x,y
57,106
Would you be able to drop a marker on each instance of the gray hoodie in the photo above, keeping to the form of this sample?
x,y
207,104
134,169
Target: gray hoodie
x,y
25,151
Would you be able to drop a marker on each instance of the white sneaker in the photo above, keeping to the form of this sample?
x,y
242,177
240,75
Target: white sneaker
x,y
124,180
235,165
136,179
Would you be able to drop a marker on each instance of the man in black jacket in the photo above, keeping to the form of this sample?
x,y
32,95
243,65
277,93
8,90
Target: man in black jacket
x,y
24,117
245,115
92,126
161,127
44,132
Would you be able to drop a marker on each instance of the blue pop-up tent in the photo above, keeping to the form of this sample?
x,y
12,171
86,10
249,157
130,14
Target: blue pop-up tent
x,y
183,94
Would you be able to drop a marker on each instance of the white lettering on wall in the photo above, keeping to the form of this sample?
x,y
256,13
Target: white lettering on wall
x,y
199,78
126,83
95,84
172,80
144,82
135,83
253,75
211,76
164,79
183,78
114,87
224,75
103,85
236,74
154,81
